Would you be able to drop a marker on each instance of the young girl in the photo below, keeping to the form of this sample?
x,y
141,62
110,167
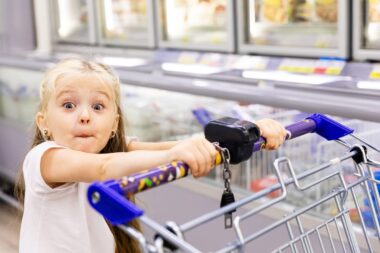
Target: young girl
x,y
80,138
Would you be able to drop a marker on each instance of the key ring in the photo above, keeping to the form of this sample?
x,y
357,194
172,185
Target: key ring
x,y
224,152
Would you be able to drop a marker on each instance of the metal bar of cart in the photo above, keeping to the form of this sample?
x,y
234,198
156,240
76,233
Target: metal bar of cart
x,y
334,234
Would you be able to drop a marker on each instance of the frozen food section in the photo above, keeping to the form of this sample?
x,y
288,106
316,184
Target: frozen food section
x,y
366,29
73,21
126,22
196,24
294,27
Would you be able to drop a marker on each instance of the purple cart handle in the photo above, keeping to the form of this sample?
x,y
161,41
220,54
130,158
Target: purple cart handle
x,y
145,180
157,176
142,181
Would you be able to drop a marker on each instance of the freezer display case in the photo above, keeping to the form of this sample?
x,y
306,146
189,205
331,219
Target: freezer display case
x,y
196,24
126,22
315,28
73,21
366,29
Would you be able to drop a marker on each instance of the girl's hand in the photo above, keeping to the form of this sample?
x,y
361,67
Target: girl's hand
x,y
197,152
273,132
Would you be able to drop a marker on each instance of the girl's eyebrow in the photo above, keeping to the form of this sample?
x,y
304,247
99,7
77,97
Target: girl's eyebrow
x,y
104,93
63,92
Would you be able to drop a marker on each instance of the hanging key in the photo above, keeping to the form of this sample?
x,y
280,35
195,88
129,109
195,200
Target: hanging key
x,y
227,196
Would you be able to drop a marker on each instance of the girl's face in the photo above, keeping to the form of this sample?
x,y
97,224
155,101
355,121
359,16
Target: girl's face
x,y
81,113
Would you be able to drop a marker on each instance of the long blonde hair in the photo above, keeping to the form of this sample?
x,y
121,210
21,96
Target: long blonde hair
x,y
123,242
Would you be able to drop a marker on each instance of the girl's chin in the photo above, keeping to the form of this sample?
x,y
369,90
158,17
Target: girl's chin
x,y
87,146
87,149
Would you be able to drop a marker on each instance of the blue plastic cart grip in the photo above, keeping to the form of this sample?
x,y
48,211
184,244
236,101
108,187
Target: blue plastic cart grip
x,y
315,123
329,128
111,204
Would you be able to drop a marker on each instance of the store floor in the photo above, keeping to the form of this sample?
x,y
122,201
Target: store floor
x,y
9,228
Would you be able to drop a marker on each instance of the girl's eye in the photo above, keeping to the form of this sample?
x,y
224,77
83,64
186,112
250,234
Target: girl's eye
x,y
98,107
68,105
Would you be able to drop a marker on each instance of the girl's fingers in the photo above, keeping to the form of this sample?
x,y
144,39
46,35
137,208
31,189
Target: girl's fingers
x,y
271,139
274,133
191,161
205,159
211,150
199,160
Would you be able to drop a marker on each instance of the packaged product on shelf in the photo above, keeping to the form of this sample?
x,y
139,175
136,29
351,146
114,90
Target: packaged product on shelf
x,y
277,11
220,15
304,11
374,11
125,14
327,10
205,13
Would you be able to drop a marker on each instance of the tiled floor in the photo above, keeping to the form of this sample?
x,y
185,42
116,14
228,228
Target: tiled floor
x,y
9,228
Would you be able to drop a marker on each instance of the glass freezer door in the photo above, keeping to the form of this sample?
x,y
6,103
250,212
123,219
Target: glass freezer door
x,y
196,24
73,21
372,25
294,27
126,22
366,30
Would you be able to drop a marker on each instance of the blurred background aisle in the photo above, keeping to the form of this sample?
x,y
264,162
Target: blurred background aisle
x,y
183,63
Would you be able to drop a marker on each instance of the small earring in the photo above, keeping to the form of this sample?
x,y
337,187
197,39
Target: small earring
x,y
113,134
46,134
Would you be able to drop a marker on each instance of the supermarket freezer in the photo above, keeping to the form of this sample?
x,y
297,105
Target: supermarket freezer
x,y
73,21
306,28
126,23
198,25
366,24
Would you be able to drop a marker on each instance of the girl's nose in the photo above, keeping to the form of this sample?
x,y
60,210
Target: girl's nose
x,y
85,121
84,117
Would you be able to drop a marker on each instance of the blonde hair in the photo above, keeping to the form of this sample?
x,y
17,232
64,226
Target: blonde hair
x,y
117,143
73,66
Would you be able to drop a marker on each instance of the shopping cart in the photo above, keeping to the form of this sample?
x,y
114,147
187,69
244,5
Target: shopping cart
x,y
336,233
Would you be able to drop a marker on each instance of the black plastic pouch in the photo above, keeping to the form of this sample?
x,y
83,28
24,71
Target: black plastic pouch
x,y
238,136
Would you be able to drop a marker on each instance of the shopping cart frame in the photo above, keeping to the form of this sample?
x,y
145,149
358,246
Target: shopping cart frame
x,y
108,197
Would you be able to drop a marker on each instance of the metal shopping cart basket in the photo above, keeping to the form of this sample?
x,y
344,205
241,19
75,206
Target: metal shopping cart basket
x,y
237,141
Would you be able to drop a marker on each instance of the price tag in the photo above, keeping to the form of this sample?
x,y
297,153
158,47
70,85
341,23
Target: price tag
x,y
212,59
297,66
333,71
188,58
251,62
375,73
329,67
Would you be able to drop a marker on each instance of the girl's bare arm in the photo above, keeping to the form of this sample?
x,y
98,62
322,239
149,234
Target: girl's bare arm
x,y
137,145
60,165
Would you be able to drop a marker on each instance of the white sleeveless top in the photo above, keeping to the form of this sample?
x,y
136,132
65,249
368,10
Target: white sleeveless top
x,y
59,219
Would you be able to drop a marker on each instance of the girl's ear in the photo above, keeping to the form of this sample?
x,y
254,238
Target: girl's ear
x,y
41,121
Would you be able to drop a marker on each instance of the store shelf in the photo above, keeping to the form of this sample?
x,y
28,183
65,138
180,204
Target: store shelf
x,y
340,102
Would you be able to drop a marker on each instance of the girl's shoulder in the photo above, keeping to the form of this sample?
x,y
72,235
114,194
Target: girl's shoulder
x,y
32,168
34,155
43,147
